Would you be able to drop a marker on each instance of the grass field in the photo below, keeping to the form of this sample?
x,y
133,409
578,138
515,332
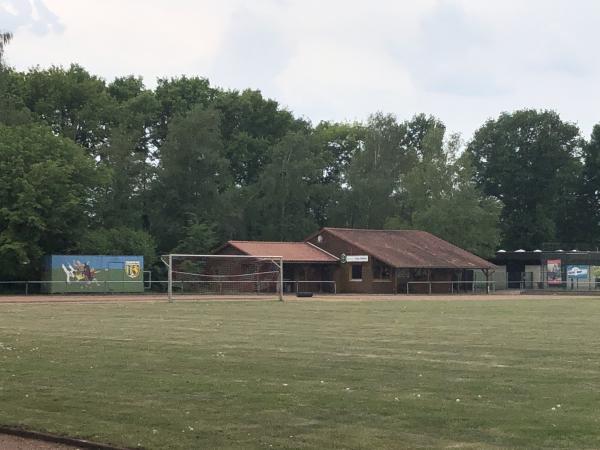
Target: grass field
x,y
383,374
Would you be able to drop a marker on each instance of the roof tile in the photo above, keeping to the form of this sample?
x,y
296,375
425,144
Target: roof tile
x,y
410,249
290,251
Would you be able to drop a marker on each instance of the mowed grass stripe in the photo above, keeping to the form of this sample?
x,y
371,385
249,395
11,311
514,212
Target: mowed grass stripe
x,y
379,374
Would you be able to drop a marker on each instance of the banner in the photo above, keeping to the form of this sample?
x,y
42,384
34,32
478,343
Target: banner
x,y
575,272
553,271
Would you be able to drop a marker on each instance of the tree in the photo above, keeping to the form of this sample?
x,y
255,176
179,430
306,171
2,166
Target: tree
x,y
193,177
199,238
464,215
177,97
5,38
440,196
587,211
282,204
12,107
122,201
118,241
529,160
250,126
47,188
74,103
129,156
338,143
389,150
374,171
430,178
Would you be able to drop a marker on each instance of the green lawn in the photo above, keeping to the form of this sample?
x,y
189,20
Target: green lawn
x,y
373,375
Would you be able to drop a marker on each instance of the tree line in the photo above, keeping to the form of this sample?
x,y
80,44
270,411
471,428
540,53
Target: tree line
x,y
96,167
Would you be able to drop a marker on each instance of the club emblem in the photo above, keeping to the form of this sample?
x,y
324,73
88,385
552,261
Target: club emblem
x,y
132,269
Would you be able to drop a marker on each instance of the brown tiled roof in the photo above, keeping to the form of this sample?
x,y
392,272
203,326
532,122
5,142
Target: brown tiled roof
x,y
410,249
290,251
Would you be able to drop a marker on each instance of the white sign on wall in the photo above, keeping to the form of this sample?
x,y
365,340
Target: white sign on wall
x,y
357,258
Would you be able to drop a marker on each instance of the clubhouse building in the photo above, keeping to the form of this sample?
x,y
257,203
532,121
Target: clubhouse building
x,y
360,261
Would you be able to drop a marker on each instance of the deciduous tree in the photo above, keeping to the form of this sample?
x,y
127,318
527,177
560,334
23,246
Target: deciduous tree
x,y
588,204
118,241
192,177
47,187
530,161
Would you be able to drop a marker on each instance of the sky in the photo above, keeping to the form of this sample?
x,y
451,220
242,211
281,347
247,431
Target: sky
x,y
464,61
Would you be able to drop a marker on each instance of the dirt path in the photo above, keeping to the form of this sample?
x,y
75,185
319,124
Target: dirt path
x,y
10,442
116,298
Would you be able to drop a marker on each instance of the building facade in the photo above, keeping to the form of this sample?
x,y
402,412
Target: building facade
x,y
370,262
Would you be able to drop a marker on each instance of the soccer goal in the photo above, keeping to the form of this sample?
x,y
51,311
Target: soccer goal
x,y
224,275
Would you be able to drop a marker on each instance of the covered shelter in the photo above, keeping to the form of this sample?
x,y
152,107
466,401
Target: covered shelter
x,y
577,270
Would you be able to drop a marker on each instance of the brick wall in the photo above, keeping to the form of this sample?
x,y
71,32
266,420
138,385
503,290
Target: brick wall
x,y
342,275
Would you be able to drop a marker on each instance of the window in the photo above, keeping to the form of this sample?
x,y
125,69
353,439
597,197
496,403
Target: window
x,y
356,272
381,271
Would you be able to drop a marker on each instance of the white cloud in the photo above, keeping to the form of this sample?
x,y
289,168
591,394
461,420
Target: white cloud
x,y
113,37
343,82
462,60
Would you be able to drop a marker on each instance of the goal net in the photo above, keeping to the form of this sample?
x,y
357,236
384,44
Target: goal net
x,y
221,275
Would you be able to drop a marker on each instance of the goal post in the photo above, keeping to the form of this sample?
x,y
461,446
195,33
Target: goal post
x,y
224,275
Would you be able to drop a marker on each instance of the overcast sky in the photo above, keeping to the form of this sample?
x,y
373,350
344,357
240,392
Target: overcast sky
x,y
461,60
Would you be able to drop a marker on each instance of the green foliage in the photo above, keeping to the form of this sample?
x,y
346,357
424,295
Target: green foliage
x,y
124,89
439,196
374,171
47,188
192,176
289,191
250,125
73,103
587,210
199,238
118,241
12,93
177,96
5,38
338,142
129,156
530,161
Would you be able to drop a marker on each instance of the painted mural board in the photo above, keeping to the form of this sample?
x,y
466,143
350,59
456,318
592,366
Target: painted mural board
x,y
554,271
94,273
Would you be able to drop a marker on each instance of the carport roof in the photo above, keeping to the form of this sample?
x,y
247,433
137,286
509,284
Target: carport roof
x,y
409,248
